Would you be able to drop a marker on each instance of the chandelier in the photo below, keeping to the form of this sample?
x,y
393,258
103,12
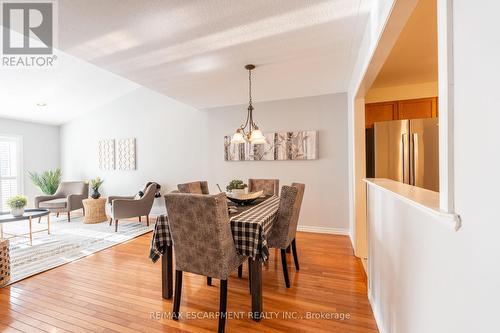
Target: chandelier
x,y
249,132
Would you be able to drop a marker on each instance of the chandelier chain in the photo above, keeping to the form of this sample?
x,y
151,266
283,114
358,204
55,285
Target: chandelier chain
x,y
250,85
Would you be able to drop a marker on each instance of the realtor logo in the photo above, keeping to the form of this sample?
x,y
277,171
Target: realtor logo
x,y
28,33
34,21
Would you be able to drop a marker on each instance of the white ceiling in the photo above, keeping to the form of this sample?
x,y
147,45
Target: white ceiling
x,y
192,51
414,57
71,88
195,51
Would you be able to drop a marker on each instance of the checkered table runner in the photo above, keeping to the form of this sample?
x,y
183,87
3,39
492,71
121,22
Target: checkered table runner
x,y
161,238
249,228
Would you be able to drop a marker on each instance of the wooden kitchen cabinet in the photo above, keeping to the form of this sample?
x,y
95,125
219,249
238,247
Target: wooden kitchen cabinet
x,y
417,108
384,111
399,110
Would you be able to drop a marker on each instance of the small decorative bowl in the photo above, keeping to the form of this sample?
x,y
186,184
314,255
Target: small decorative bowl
x,y
244,198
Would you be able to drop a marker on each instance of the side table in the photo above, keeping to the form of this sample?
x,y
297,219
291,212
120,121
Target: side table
x,y
4,262
95,210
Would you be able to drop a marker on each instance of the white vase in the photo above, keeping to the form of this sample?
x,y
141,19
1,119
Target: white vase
x,y
17,211
237,191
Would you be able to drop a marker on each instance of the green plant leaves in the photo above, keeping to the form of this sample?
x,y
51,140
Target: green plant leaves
x,y
17,201
236,184
96,183
47,181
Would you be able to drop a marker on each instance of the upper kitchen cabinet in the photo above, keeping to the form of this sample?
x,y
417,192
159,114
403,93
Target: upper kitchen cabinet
x,y
383,111
417,108
399,110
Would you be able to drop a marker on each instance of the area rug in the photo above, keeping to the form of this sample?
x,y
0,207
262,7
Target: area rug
x,y
68,241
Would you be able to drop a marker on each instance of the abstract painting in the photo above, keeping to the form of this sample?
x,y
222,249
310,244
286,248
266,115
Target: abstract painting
x,y
280,146
107,154
125,154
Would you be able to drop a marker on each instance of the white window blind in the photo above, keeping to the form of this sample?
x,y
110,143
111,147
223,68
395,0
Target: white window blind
x,y
9,169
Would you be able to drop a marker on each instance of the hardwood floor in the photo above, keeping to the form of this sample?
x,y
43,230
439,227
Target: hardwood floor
x,y
119,290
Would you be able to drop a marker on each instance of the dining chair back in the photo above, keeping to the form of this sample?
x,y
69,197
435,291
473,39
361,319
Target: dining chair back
x,y
201,234
198,187
269,186
282,234
202,240
285,227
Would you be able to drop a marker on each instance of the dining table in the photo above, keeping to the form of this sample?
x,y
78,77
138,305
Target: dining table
x,y
250,227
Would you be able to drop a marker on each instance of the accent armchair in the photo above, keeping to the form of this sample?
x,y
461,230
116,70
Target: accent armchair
x,y
68,197
127,207
203,243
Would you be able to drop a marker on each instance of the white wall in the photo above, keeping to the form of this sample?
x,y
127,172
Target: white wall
x,y
425,278
370,59
40,149
325,206
170,143
177,143
407,91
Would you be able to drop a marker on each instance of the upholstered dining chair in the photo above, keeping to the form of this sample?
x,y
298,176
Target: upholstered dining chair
x,y
269,186
283,231
203,243
127,207
199,187
68,197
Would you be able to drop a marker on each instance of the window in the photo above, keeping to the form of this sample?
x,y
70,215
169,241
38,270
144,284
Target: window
x,y
10,169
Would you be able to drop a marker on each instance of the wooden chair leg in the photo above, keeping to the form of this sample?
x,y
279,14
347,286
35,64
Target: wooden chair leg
x,y
295,257
116,225
69,216
240,271
222,306
110,221
285,268
250,275
209,281
140,218
177,294
57,214
147,220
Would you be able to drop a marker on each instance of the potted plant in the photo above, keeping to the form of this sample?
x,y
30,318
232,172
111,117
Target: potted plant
x,y
47,181
94,185
236,186
17,204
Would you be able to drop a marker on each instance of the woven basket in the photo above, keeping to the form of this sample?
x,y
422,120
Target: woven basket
x,y
4,262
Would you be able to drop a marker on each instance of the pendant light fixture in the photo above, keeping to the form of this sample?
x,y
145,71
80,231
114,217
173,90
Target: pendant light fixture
x,y
249,132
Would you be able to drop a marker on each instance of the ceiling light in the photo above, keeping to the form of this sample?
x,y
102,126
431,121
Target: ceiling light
x,y
251,134
41,104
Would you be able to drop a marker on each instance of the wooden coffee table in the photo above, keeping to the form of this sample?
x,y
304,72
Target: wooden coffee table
x,y
95,210
29,214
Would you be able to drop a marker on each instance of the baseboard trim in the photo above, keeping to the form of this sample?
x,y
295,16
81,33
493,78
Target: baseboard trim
x,y
323,230
376,315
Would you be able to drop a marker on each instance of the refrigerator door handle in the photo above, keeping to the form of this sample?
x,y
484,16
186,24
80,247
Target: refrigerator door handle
x,y
403,158
414,159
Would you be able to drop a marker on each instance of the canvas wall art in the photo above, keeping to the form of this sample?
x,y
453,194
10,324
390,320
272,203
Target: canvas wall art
x,y
125,154
106,153
280,146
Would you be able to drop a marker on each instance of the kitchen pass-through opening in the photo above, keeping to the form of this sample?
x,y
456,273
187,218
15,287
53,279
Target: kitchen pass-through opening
x,y
401,106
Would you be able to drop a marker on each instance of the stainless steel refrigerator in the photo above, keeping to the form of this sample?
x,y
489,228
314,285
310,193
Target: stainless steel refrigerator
x,y
407,151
